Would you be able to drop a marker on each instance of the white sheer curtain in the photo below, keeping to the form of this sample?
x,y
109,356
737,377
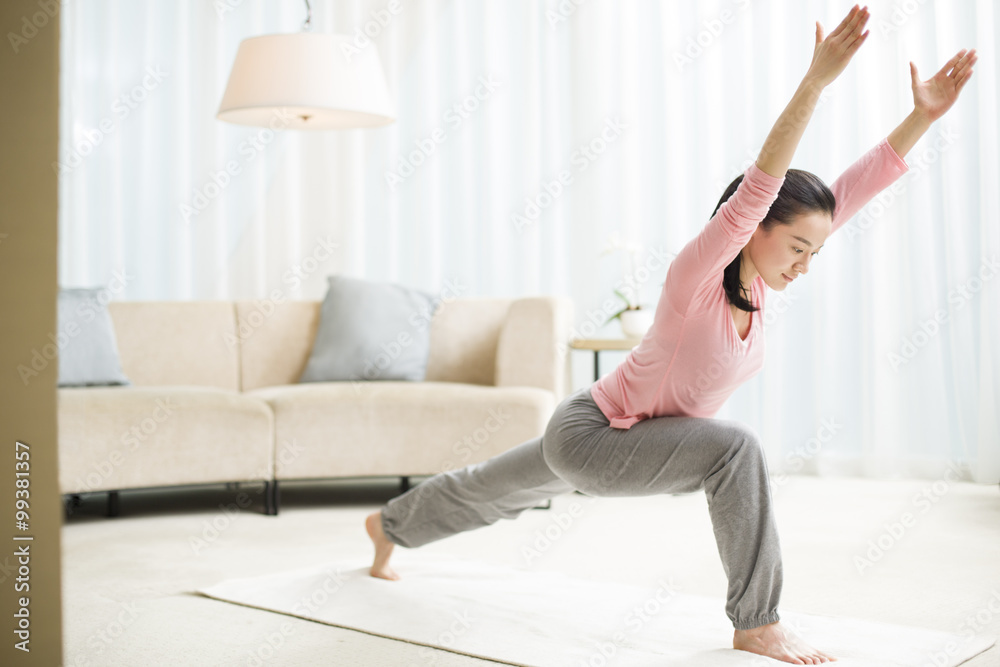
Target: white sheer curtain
x,y
528,134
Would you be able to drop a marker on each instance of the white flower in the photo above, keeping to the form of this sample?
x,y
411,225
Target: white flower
x,y
631,250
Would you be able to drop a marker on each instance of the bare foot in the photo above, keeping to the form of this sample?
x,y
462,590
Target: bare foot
x,y
383,548
774,641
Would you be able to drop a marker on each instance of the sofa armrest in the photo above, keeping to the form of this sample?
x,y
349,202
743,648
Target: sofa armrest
x,y
533,348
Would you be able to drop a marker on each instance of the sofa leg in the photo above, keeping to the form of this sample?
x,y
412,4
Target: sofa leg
x,y
271,498
71,502
113,508
404,484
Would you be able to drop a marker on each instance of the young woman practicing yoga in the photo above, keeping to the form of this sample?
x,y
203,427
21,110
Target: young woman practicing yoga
x,y
647,428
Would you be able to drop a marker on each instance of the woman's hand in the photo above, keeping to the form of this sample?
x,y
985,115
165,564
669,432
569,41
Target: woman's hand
x,y
933,97
831,55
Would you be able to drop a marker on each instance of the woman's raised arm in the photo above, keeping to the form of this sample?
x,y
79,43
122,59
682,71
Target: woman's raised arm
x,y
931,99
830,57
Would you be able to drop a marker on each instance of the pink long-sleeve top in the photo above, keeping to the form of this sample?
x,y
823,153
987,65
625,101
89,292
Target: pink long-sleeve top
x,y
692,358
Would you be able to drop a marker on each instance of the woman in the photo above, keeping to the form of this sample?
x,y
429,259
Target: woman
x,y
646,428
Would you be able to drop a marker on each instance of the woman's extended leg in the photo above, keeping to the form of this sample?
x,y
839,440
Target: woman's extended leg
x,y
458,500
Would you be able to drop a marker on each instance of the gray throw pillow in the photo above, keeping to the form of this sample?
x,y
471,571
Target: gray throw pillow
x,y
370,331
90,354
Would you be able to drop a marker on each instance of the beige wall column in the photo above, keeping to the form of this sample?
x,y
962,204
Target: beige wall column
x,y
29,141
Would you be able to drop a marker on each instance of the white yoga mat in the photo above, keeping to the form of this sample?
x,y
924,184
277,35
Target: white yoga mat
x,y
546,619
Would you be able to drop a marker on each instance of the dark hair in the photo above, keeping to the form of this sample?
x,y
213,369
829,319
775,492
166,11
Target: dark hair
x,y
802,192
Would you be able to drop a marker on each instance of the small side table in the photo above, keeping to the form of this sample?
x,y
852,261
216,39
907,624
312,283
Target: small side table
x,y
598,345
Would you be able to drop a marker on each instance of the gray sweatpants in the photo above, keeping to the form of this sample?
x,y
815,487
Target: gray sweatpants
x,y
580,451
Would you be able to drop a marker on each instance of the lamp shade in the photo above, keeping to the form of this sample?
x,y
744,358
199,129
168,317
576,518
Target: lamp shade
x,y
306,81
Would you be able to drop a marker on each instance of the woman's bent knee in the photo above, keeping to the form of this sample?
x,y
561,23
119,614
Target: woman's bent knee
x,y
739,437
575,418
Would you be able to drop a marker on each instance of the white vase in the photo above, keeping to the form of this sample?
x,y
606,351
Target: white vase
x,y
635,323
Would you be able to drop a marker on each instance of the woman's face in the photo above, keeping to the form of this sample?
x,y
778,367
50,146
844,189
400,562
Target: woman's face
x,y
788,249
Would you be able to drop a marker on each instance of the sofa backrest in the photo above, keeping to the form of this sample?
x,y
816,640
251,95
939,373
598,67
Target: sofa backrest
x,y
276,340
177,342
533,350
465,335
248,345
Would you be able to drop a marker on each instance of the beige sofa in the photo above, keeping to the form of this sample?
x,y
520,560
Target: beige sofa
x,y
215,398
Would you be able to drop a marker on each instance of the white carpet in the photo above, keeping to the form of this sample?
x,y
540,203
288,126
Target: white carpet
x,y
548,619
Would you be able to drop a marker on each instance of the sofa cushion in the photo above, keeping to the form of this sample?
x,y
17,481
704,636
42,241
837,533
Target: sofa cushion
x,y
131,437
464,338
90,353
370,331
178,343
345,429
